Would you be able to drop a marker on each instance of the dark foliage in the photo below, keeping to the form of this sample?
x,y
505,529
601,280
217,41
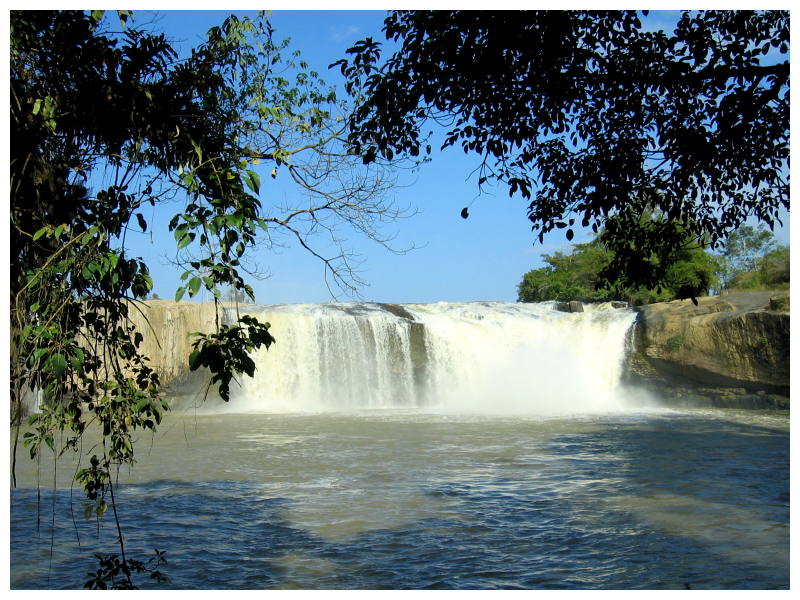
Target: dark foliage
x,y
227,353
84,100
117,574
105,122
593,118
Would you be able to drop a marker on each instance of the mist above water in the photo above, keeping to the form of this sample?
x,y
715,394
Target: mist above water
x,y
484,357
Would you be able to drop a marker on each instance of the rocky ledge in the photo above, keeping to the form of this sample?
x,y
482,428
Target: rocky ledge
x,y
728,351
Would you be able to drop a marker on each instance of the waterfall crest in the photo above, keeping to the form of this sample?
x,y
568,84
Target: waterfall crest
x,y
489,357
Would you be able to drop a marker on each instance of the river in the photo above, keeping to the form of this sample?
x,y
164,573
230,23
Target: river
x,y
409,499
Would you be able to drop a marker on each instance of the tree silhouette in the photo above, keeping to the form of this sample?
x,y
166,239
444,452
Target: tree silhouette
x,y
593,118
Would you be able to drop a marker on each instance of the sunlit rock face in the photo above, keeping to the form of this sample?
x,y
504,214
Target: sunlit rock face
x,y
730,350
165,327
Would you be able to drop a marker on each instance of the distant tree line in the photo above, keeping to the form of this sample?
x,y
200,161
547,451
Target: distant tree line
x,y
752,259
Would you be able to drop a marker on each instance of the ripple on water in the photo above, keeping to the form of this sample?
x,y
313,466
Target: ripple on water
x,y
666,500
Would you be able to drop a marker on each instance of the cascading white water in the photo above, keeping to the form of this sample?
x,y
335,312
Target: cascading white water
x,y
488,357
525,357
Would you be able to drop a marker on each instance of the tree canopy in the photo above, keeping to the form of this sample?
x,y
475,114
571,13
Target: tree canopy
x,y
577,275
593,117
746,245
752,259
107,120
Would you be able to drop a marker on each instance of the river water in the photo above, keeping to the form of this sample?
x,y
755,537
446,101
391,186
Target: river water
x,y
416,498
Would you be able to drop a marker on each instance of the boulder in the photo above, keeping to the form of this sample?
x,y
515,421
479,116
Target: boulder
x,y
573,306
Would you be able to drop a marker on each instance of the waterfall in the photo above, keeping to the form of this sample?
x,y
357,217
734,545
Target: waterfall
x,y
463,357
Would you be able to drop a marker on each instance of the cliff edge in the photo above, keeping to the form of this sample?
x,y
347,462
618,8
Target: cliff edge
x,y
728,351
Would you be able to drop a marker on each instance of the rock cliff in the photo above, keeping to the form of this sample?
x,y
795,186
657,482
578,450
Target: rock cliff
x,y
165,326
728,351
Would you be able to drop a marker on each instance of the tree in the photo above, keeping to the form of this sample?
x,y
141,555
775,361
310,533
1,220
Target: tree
x,y
774,268
590,115
104,123
743,250
579,276
573,276
753,259
692,274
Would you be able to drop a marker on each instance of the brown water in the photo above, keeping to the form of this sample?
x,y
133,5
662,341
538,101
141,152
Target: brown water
x,y
412,499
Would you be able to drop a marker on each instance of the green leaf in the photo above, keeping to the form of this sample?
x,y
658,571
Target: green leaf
x,y
58,364
78,359
142,222
180,230
112,260
179,293
194,359
197,151
253,181
194,286
37,106
187,239
40,233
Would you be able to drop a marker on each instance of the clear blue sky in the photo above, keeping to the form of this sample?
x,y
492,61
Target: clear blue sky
x,y
480,258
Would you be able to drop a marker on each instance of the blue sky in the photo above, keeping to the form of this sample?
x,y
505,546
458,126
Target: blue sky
x,y
480,258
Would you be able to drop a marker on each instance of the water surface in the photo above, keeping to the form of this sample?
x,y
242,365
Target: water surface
x,y
411,499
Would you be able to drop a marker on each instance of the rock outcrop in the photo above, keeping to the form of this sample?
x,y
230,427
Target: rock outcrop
x,y
165,326
573,306
728,351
